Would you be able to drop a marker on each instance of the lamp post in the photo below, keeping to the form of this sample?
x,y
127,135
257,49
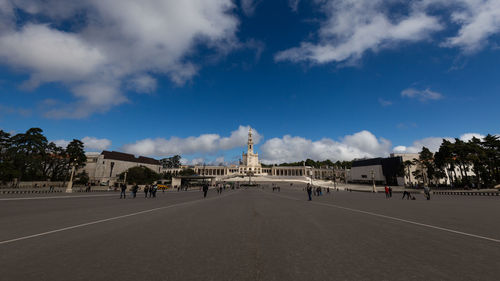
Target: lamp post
x,y
69,188
373,181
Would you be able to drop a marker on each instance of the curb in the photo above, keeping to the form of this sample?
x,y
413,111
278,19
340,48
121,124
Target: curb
x,y
468,193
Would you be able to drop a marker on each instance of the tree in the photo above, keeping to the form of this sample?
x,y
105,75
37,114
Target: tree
x,y
140,175
7,169
171,162
28,152
82,178
407,165
76,153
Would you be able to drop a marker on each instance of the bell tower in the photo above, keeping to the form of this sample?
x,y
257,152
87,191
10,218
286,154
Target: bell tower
x,y
250,142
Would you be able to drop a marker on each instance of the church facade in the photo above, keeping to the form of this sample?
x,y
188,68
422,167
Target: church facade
x,y
250,165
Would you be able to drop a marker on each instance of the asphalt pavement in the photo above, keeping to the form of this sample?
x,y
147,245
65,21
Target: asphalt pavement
x,y
249,234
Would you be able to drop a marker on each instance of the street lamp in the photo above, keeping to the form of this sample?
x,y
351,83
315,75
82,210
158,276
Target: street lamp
x,y
373,181
69,188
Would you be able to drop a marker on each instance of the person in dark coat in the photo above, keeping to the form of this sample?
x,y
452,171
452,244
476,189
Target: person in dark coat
x,y
155,189
135,188
146,190
205,189
309,191
123,187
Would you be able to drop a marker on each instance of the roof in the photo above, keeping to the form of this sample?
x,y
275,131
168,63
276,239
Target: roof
x,y
115,155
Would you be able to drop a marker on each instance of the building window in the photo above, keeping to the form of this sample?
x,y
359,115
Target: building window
x,y
364,176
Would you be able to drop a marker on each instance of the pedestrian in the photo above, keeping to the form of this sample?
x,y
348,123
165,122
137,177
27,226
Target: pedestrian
x,y
155,189
205,190
406,194
328,190
318,190
390,192
146,190
123,187
134,190
309,191
150,192
386,189
427,192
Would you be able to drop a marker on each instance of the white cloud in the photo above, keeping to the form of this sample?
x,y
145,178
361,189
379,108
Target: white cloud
x,y
89,143
290,149
249,6
478,21
469,136
61,143
206,143
119,41
421,95
354,27
433,143
143,84
96,144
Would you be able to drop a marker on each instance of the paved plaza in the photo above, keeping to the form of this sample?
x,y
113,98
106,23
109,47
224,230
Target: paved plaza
x,y
249,234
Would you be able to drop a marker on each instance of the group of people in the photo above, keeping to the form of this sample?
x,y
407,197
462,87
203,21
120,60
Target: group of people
x,y
318,191
151,190
148,189
276,187
388,191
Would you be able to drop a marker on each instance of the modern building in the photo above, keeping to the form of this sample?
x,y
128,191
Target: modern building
x,y
105,168
380,170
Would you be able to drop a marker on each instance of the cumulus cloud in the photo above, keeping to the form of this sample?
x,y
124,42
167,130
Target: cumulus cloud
x,y
89,143
352,28
290,149
478,21
92,143
206,143
110,46
421,95
433,143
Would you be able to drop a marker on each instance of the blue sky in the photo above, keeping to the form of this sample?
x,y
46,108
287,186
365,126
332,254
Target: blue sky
x,y
335,79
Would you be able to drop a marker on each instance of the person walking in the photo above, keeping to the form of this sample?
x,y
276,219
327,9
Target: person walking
x,y
134,190
146,190
427,192
123,187
155,189
205,190
309,191
386,189
406,194
150,191
390,192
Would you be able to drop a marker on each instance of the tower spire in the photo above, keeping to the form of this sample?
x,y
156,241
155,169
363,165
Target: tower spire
x,y
250,142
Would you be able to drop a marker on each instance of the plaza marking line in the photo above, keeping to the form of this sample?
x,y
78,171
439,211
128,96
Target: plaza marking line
x,y
394,218
76,196
110,219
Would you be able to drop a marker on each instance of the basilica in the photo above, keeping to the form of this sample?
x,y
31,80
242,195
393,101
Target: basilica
x,y
105,168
